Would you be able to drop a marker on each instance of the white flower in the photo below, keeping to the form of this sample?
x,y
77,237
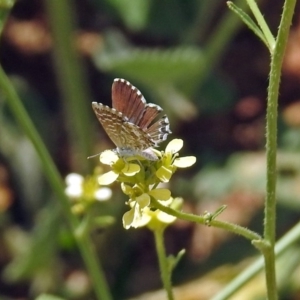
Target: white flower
x,y
103,194
74,187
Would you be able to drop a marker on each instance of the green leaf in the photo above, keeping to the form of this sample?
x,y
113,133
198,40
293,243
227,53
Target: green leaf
x,y
174,260
248,21
153,67
134,13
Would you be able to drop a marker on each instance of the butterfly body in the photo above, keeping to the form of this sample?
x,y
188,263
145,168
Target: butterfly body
x,y
133,125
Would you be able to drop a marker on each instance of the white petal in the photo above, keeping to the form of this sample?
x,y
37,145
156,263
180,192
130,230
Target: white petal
x,y
108,178
108,157
128,218
73,191
74,179
103,194
184,162
131,169
174,146
143,220
143,200
165,218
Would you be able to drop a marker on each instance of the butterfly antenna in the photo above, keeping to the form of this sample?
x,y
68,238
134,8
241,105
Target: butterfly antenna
x,y
89,157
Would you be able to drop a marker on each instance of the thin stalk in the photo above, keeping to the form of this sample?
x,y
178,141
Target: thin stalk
x,y
248,234
285,243
165,270
89,256
271,145
249,22
262,23
71,81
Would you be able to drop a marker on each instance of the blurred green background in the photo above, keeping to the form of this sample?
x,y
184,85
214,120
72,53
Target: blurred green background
x,y
210,74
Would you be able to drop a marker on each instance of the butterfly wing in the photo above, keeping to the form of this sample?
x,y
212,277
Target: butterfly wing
x,y
128,100
135,138
124,134
111,120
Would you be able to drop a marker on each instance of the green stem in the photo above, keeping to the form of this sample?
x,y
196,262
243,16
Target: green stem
x,y
56,182
271,145
249,22
248,234
270,273
165,270
262,23
5,8
72,82
285,243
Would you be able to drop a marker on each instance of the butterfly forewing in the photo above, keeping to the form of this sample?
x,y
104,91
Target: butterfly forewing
x,y
128,100
111,120
122,133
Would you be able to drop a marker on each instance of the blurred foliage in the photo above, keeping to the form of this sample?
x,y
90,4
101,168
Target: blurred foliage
x,y
162,48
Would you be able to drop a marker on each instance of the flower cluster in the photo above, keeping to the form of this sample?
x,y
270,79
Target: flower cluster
x,y
85,191
140,179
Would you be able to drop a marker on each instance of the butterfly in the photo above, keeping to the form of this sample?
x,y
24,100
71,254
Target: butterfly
x,y
134,125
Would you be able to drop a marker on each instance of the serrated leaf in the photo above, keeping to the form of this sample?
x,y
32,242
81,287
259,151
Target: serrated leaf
x,y
151,66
